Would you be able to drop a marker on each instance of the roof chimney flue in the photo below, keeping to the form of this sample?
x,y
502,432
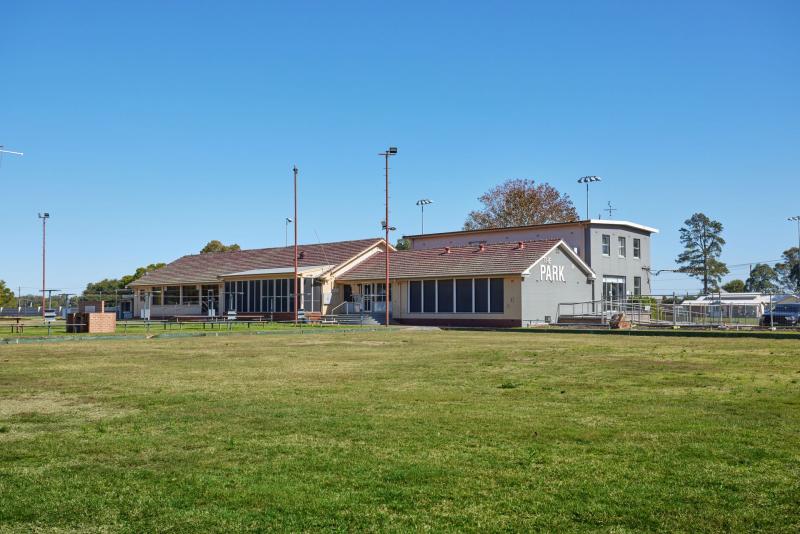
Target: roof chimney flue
x,y
447,250
482,247
520,245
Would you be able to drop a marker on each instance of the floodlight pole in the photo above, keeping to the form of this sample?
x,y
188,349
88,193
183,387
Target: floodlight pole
x,y
389,152
796,218
294,170
422,203
587,180
44,217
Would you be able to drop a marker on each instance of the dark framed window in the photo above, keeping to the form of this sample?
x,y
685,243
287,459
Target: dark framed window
x,y
445,294
496,297
172,295
637,247
481,295
637,285
191,295
251,296
240,300
429,296
155,294
464,295
606,245
415,296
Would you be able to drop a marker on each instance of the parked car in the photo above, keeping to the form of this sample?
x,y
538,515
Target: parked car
x,y
782,315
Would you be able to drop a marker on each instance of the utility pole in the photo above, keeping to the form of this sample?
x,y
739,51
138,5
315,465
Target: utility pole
x,y
44,217
294,169
391,151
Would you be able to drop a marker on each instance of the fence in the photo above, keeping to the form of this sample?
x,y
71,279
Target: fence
x,y
665,311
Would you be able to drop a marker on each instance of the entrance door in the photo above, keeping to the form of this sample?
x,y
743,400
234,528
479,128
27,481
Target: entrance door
x,y
613,292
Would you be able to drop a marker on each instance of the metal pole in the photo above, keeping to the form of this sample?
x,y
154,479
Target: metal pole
x,y
587,201
387,238
295,244
44,262
422,225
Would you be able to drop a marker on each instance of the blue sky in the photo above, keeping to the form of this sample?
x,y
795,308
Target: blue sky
x,y
150,128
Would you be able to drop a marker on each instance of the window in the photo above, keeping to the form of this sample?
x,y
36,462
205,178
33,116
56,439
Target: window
x,y
637,285
191,296
496,299
464,295
172,295
156,296
606,245
415,297
637,248
481,295
621,246
445,293
429,296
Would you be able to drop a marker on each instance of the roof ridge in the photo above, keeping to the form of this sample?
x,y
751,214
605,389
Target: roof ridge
x,y
207,254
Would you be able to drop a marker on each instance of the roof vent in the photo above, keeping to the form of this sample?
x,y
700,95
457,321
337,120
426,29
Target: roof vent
x,y
520,245
447,250
482,247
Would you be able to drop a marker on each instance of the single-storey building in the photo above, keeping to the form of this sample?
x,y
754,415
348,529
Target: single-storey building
x,y
501,284
257,282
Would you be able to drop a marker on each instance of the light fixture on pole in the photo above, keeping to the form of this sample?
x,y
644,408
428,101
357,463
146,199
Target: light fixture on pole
x,y
44,217
422,203
4,151
588,180
391,151
286,232
796,218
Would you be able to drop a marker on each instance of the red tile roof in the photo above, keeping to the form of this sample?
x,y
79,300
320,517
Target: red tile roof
x,y
496,259
206,268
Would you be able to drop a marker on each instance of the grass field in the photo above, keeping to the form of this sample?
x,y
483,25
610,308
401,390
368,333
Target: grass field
x,y
399,431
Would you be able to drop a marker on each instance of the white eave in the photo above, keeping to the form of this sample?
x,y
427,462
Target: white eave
x,y
629,224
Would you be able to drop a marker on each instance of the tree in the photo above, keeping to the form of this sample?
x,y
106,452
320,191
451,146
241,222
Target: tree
x,y
6,295
734,286
521,202
788,270
702,248
762,279
402,244
217,246
108,286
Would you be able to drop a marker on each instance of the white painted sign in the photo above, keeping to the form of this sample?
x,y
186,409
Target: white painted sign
x,y
551,273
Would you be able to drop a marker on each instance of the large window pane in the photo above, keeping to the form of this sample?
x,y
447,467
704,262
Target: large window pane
x,y
481,295
172,295
445,289
496,299
429,296
415,296
191,295
464,296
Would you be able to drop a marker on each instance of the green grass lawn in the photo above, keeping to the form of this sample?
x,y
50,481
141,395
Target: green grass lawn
x,y
398,431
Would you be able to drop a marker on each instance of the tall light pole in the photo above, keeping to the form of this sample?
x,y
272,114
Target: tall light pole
x,y
294,169
796,218
422,203
286,232
588,180
44,217
391,151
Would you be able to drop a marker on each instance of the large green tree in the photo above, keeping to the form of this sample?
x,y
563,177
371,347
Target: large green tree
x,y
216,245
788,270
702,241
521,202
762,279
108,286
734,286
6,295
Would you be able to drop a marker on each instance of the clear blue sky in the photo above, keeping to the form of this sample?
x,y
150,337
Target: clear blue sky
x,y
150,128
